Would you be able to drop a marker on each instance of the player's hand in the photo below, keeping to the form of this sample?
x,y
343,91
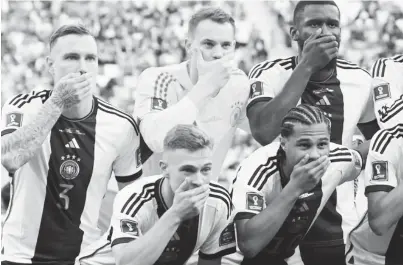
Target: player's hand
x,y
319,50
71,89
213,75
305,176
188,202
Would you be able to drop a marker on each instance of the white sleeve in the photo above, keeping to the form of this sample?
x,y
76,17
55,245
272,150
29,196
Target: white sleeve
x,y
368,114
380,169
265,81
124,227
348,161
127,166
221,241
158,108
17,112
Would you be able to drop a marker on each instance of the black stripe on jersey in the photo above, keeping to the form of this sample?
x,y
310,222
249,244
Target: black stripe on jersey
x,y
351,66
7,131
340,155
375,188
135,199
220,193
59,236
398,58
44,95
288,63
243,215
125,179
219,254
263,170
393,110
15,98
382,140
94,253
378,69
106,107
122,240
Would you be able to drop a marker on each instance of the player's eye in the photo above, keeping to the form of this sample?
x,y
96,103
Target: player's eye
x,y
91,58
323,144
305,145
71,57
206,170
209,45
333,25
227,45
314,25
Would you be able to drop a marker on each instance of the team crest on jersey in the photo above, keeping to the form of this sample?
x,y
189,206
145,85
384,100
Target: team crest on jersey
x,y
382,92
70,169
380,171
254,201
227,235
236,113
256,89
14,119
129,227
159,104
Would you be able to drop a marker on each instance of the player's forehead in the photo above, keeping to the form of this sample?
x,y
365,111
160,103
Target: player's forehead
x,y
73,43
209,30
184,157
313,132
320,12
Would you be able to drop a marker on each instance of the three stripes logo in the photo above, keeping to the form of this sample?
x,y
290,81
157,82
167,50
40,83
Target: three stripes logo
x,y
340,154
381,141
324,101
387,113
73,144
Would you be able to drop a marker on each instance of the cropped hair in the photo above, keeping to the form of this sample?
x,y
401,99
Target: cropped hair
x,y
215,14
67,30
188,137
300,7
303,114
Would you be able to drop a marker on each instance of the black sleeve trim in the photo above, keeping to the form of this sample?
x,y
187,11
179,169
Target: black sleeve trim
x,y
7,131
121,240
220,254
376,188
243,215
368,129
125,179
254,101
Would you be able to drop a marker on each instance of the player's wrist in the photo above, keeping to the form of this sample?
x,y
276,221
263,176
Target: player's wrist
x,y
293,190
306,67
197,98
174,215
56,101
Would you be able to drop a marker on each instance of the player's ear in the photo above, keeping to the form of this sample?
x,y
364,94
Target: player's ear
x,y
283,143
163,166
294,33
51,67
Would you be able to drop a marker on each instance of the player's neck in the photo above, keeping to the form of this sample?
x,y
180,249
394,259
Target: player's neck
x,y
167,193
286,170
322,75
80,110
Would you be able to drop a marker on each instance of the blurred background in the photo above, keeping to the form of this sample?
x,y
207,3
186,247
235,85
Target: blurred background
x,y
134,35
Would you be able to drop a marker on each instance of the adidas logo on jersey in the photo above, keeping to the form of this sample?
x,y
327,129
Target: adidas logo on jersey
x,y
324,101
73,144
306,195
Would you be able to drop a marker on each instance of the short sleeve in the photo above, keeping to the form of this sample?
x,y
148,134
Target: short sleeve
x,y
265,80
221,240
247,199
368,113
17,112
380,171
125,227
127,166
152,92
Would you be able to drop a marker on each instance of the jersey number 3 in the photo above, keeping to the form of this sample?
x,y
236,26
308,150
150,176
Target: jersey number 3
x,y
63,195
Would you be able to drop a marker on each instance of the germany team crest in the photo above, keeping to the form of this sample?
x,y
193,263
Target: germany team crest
x,y
70,169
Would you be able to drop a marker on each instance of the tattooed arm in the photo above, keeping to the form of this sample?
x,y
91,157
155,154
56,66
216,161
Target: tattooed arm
x,y
20,146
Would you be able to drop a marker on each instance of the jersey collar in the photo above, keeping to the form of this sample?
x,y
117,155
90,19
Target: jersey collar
x,y
280,162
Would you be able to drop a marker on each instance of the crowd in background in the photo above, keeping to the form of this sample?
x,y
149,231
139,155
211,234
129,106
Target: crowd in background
x,y
134,35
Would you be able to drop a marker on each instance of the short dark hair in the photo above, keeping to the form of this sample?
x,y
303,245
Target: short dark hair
x,y
303,114
67,30
188,137
215,14
300,7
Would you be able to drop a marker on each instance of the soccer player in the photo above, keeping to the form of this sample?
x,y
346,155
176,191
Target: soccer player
x,y
378,239
61,146
281,188
164,219
339,88
206,90
388,90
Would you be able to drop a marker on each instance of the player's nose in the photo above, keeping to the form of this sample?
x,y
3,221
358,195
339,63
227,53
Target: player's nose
x,y
82,66
314,154
218,52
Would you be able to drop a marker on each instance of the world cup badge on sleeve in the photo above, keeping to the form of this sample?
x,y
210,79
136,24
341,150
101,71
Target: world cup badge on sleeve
x,y
381,92
379,171
254,201
14,119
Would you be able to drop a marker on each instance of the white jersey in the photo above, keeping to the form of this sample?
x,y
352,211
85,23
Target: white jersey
x,y
161,103
56,196
388,90
260,180
140,205
383,169
345,98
